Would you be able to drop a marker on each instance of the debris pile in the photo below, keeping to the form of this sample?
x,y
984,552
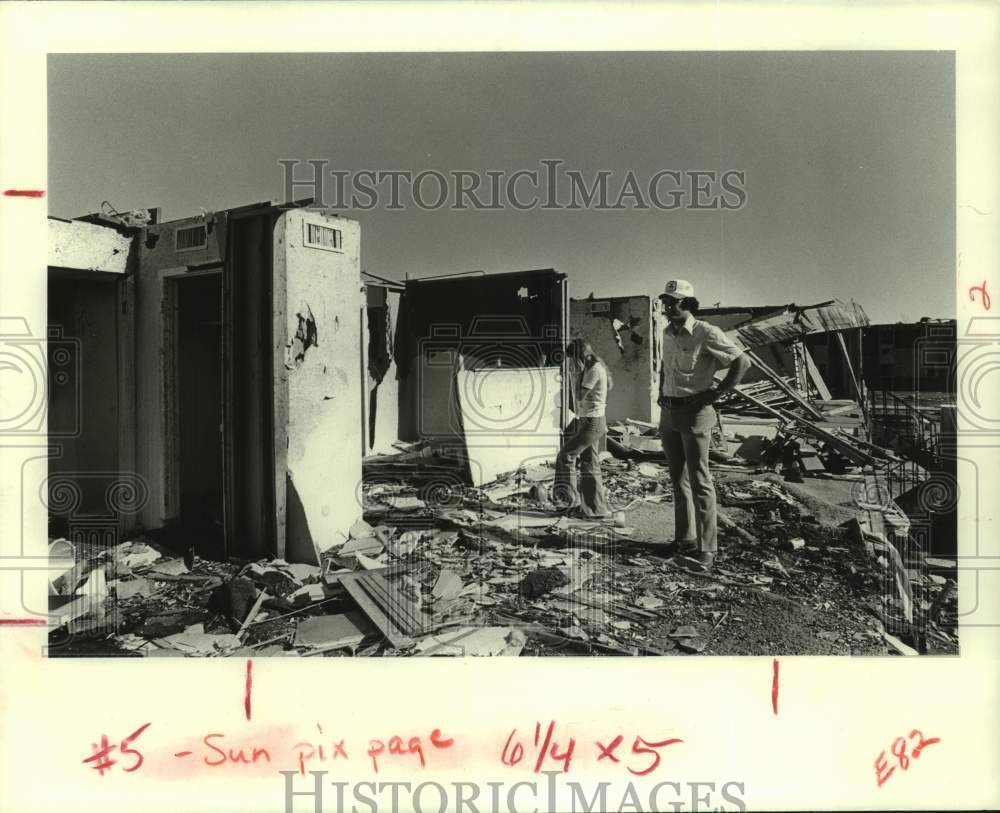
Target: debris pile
x,y
494,571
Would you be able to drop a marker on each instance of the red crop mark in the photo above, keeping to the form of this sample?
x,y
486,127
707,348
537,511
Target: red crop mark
x,y
985,296
24,193
774,686
23,622
249,688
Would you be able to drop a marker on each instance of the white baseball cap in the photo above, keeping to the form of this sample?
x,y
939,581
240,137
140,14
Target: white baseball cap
x,y
678,289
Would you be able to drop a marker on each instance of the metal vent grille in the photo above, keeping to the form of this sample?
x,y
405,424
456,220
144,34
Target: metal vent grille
x,y
325,237
190,238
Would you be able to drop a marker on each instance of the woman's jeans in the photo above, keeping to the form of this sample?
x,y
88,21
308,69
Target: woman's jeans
x,y
581,446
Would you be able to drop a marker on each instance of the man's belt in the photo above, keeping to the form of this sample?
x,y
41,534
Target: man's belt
x,y
681,401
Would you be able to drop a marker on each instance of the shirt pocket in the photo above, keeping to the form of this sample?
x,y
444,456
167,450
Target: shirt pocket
x,y
687,358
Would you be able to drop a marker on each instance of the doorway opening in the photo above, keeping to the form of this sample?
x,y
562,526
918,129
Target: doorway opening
x,y
199,412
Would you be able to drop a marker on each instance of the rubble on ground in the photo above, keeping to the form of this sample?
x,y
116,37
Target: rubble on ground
x,y
495,571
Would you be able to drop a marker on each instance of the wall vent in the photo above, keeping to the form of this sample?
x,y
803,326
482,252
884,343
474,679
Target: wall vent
x,y
324,237
600,307
191,238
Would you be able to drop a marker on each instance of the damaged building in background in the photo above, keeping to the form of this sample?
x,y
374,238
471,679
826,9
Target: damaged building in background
x,y
626,332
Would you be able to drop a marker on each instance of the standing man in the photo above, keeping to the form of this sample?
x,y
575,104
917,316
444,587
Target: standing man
x,y
693,351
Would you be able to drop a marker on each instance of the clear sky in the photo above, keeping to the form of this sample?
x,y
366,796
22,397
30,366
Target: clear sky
x,y
849,159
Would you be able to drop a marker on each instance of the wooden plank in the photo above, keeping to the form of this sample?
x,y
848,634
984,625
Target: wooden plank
x,y
841,444
398,607
324,633
778,382
760,404
390,570
814,374
362,598
850,369
898,645
251,615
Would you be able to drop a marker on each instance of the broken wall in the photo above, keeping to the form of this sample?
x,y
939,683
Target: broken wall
x,y
382,416
92,489
466,348
87,247
321,378
623,332
510,418
512,320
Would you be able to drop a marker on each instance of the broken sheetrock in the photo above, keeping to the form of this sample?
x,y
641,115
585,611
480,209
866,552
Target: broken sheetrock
x,y
171,567
311,593
355,546
67,583
196,641
132,587
304,574
538,473
368,563
449,585
406,503
140,555
489,399
651,470
360,530
473,642
334,631
501,491
649,602
331,541
95,587
642,443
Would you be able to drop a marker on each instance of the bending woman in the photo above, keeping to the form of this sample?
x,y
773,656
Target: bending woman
x,y
591,382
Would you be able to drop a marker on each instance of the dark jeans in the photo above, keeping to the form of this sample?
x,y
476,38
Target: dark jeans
x,y
686,434
580,446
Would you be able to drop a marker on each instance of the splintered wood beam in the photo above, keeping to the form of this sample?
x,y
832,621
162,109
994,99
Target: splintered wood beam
x,y
375,613
850,368
814,374
776,380
844,446
757,402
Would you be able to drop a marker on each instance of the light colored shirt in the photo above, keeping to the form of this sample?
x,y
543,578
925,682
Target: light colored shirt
x,y
692,355
592,392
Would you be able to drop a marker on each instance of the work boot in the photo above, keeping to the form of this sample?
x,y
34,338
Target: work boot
x,y
681,547
700,561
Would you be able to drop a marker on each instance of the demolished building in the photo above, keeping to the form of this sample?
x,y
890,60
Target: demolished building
x,y
218,358
305,458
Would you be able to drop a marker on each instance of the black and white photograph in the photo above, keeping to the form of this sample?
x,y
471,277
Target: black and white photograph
x,y
502,354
